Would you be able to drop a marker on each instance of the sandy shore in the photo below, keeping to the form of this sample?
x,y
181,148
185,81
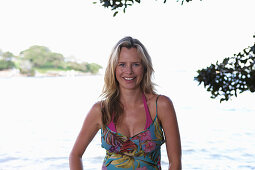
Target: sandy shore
x,y
16,73
11,73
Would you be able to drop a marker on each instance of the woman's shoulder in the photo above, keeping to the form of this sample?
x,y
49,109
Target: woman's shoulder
x,y
97,107
159,99
164,100
165,106
95,113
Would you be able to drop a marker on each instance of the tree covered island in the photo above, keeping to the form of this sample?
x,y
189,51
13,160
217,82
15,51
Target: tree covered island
x,y
41,61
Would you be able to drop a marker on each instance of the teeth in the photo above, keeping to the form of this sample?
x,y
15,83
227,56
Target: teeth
x,y
128,78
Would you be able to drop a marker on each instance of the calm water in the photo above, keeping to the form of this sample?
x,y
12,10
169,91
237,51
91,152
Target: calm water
x,y
41,117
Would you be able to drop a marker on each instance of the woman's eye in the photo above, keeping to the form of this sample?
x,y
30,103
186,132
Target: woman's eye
x,y
136,64
121,65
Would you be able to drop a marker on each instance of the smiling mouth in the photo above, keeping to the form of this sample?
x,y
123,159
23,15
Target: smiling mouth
x,y
127,78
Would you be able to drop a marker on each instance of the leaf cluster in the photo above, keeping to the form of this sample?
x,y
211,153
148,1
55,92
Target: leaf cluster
x,y
233,75
116,5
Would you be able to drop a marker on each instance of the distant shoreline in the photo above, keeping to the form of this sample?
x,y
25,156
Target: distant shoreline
x,y
51,73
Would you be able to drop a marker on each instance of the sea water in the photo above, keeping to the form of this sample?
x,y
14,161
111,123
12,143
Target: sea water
x,y
40,119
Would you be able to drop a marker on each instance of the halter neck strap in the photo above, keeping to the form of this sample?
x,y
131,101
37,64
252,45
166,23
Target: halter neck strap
x,y
148,115
112,126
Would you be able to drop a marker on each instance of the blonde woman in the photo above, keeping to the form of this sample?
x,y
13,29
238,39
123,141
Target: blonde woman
x,y
134,120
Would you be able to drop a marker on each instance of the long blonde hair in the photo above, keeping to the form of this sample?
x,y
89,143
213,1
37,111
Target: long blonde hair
x,y
111,106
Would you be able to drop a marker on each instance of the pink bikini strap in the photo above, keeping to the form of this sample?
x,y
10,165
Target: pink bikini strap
x,y
148,115
111,125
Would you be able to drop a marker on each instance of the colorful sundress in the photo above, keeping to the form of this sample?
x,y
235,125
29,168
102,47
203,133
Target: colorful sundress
x,y
140,152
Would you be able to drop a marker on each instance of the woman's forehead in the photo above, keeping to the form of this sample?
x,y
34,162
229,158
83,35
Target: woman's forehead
x,y
130,54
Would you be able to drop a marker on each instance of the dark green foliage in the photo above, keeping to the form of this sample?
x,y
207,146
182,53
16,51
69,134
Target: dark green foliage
x,y
76,66
234,75
4,65
84,67
40,58
123,4
7,55
93,68
6,61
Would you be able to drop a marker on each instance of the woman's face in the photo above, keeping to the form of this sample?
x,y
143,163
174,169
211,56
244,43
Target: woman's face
x,y
129,70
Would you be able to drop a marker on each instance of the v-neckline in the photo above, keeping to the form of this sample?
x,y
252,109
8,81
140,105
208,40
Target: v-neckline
x,y
135,134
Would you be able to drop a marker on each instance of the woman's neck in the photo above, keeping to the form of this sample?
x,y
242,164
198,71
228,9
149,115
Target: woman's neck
x,y
130,97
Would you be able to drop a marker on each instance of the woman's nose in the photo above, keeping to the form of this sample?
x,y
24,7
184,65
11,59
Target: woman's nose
x,y
129,69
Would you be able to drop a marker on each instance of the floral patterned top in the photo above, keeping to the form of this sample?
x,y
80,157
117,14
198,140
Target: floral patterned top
x,y
140,152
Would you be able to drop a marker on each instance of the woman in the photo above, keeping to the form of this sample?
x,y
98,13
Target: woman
x,y
133,119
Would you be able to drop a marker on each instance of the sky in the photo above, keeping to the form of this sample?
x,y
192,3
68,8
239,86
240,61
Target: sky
x,y
178,37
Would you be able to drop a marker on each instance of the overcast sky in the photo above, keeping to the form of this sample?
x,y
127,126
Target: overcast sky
x,y
178,37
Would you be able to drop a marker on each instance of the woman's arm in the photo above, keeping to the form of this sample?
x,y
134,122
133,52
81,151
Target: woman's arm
x,y
91,125
167,116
